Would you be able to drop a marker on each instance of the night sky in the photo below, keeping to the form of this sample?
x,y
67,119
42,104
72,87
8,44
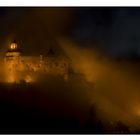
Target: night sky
x,y
114,30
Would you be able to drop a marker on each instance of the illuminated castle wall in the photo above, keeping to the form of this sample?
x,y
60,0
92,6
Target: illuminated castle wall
x,y
28,68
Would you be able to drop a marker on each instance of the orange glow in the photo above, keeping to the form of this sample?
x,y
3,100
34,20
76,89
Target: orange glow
x,y
13,46
135,108
28,79
11,78
138,112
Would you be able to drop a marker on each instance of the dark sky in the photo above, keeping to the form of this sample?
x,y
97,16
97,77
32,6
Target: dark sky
x,y
115,30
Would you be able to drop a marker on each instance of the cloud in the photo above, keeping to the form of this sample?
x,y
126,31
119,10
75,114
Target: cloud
x,y
113,86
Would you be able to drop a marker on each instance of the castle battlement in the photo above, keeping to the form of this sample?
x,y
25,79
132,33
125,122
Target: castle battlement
x,y
29,68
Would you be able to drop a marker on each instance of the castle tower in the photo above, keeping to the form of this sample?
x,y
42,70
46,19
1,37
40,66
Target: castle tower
x,y
12,61
13,54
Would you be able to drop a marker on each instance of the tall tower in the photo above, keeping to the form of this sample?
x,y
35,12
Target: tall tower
x,y
12,61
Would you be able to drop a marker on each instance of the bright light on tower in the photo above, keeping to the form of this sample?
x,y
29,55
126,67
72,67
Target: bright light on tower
x,y
13,46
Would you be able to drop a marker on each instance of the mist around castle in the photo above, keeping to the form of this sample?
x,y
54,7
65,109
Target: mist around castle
x,y
69,70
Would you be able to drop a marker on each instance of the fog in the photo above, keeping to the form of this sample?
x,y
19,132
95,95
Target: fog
x,y
115,86
97,80
111,86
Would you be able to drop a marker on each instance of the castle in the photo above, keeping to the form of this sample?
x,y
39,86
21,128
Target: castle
x,y
29,68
